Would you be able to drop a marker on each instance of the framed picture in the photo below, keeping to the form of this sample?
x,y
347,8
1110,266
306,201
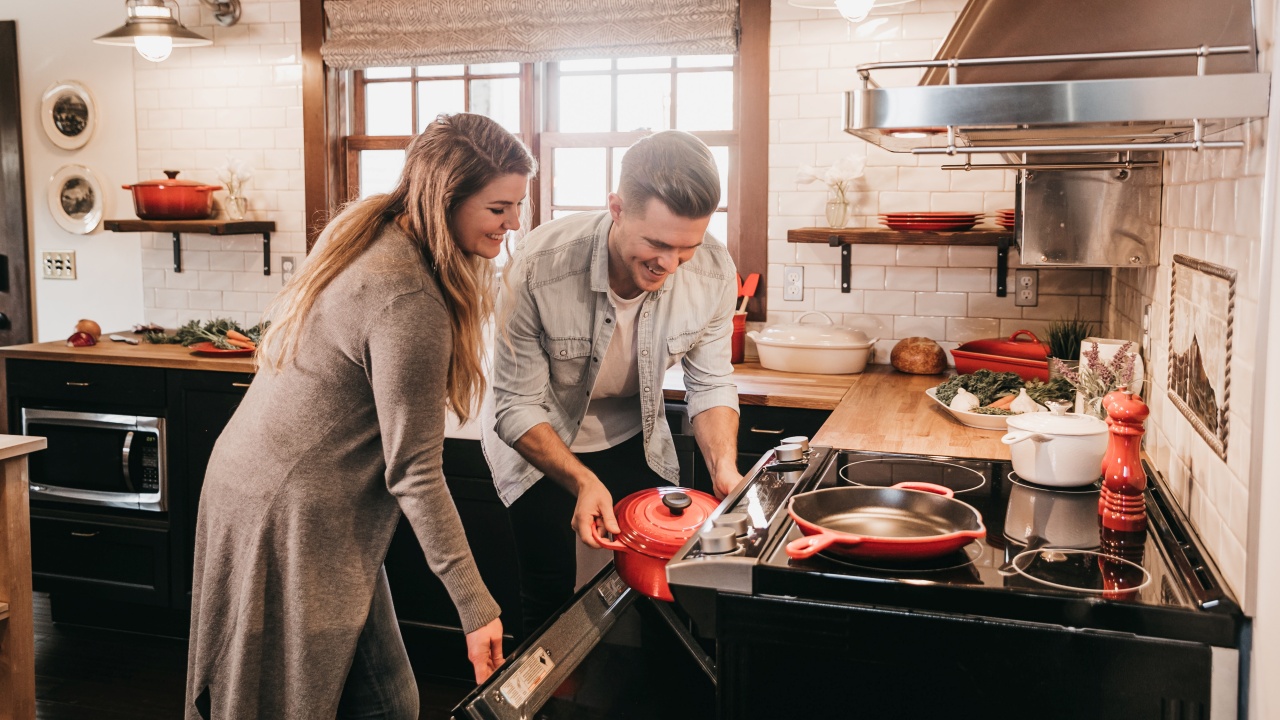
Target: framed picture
x,y
75,199
1201,309
68,114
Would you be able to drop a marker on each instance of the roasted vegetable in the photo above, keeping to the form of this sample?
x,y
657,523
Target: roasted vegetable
x,y
987,385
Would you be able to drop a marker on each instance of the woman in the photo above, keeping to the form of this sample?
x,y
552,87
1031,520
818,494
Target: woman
x,y
340,432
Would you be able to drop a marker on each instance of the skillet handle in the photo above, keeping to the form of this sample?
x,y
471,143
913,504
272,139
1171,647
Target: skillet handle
x,y
810,545
926,487
605,543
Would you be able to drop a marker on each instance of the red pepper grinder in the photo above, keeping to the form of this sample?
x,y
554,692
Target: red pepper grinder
x,y
1121,503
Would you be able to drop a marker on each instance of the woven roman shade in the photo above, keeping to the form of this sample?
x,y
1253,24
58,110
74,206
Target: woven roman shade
x,y
381,33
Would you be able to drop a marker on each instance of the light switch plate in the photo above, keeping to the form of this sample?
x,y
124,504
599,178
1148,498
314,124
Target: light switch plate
x,y
59,265
793,282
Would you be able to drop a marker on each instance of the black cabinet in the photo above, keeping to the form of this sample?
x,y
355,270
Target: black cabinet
x,y
112,559
760,429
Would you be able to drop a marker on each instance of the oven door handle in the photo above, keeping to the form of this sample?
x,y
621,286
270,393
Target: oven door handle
x,y
124,460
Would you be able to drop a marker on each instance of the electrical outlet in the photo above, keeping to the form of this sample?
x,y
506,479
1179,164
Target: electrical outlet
x,y
793,282
58,265
288,264
1026,285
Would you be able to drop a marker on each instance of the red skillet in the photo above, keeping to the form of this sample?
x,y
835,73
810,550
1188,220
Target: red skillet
x,y
909,521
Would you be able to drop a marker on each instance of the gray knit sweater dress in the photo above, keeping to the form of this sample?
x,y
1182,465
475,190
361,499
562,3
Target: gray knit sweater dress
x,y
306,486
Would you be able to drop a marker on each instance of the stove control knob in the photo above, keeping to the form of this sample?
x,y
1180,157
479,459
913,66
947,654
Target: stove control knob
x,y
718,541
788,452
739,523
800,440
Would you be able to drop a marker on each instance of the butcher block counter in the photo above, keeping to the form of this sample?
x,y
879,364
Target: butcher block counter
x,y
144,354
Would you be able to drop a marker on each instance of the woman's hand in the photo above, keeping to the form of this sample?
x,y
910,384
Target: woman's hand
x,y
484,649
595,505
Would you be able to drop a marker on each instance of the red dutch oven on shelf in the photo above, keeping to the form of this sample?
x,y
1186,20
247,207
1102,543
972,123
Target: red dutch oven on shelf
x,y
172,199
1028,357
655,523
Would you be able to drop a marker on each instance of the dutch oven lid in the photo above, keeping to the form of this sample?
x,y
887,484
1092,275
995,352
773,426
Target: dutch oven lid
x,y
171,180
1029,348
799,334
658,521
1057,422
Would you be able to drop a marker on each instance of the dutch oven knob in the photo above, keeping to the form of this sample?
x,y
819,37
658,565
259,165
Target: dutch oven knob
x,y
172,174
676,502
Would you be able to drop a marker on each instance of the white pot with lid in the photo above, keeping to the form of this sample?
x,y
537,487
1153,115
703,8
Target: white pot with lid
x,y
826,349
1057,448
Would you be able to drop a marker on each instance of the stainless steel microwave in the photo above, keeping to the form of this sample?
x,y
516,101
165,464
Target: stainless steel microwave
x,y
98,459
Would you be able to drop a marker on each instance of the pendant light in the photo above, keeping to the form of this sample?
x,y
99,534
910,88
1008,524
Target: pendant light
x,y
851,10
153,28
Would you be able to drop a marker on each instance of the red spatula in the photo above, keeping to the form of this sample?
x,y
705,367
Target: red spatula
x,y
747,290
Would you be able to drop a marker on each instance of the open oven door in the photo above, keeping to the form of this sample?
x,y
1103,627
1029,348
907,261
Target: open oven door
x,y
611,653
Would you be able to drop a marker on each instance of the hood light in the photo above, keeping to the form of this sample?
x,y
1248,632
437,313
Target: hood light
x,y
153,29
852,10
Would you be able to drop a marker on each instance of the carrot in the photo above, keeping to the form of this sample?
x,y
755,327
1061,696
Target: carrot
x,y
234,335
247,345
1003,402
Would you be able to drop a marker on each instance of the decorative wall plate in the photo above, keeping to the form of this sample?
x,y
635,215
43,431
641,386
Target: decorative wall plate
x,y
76,199
68,114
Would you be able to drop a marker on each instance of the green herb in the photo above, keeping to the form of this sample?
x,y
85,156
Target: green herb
x,y
992,411
1058,388
988,386
1065,337
213,331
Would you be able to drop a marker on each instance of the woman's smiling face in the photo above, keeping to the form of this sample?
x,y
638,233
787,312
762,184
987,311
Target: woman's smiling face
x,y
482,221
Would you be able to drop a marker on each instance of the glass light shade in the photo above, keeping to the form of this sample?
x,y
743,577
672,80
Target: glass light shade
x,y
152,29
855,10
154,49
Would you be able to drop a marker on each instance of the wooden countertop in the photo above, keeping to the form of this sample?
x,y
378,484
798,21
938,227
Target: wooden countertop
x,y
887,411
758,386
144,354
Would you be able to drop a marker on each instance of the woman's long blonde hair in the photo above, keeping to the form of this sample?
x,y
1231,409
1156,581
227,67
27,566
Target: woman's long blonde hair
x,y
451,160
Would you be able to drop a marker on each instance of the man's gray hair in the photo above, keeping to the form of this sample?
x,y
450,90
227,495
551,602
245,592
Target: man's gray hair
x,y
674,167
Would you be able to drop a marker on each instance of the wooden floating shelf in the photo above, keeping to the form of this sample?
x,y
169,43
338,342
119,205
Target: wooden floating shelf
x,y
204,227
846,238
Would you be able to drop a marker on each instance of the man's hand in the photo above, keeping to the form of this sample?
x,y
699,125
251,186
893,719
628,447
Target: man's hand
x,y
594,504
484,649
725,482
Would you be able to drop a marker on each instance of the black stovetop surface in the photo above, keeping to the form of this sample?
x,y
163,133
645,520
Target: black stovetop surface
x,y
1045,557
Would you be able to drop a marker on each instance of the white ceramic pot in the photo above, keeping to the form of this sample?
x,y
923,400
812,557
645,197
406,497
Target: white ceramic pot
x,y
1056,448
828,349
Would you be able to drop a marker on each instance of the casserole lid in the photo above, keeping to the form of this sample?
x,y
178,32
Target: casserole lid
x,y
1028,348
171,181
799,334
659,520
1057,422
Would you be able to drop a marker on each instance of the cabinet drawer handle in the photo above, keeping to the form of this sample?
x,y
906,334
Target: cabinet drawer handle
x,y
240,385
77,384
766,431
84,534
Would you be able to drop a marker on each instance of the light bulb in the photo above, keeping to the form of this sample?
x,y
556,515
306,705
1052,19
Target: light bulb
x,y
855,10
153,48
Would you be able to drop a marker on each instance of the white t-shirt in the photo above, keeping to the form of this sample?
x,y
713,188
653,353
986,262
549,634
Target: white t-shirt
x,y
613,415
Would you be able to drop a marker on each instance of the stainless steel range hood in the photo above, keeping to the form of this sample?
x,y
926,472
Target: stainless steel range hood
x,y
1018,76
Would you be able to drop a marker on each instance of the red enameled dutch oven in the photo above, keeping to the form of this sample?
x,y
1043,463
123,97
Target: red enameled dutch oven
x,y
908,521
1028,358
172,199
655,523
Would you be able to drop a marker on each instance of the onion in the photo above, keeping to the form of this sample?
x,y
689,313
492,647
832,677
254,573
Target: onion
x,y
91,327
81,339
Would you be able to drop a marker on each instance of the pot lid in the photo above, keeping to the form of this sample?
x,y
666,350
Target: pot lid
x,y
659,520
171,180
1057,422
1028,348
814,335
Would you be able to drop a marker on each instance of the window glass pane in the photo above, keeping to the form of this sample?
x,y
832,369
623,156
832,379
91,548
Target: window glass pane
x,y
499,99
704,61
390,72
584,103
495,68
578,177
721,154
576,65
704,101
379,170
644,101
557,214
438,97
440,70
644,63
387,109
719,226
617,167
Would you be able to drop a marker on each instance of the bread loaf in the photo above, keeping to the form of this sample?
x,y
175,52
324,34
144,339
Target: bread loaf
x,y
918,356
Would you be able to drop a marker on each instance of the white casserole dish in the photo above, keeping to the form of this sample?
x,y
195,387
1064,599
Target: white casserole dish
x,y
828,349
1055,448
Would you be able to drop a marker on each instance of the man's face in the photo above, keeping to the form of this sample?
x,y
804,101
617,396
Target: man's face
x,y
647,245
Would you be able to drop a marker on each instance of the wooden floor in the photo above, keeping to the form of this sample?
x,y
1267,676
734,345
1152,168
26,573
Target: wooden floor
x,y
92,674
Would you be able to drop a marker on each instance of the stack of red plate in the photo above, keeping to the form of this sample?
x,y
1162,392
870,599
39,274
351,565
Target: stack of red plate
x,y
1006,218
930,221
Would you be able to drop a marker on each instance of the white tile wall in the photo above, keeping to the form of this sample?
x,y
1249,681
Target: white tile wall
x,y
946,293
239,98
1212,212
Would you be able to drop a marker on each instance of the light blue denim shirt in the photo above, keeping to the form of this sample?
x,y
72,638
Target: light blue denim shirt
x,y
554,323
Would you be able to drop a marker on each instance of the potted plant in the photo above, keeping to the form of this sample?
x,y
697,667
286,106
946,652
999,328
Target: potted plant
x,y
1064,339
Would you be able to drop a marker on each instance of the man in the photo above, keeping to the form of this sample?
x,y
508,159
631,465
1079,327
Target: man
x,y
592,314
